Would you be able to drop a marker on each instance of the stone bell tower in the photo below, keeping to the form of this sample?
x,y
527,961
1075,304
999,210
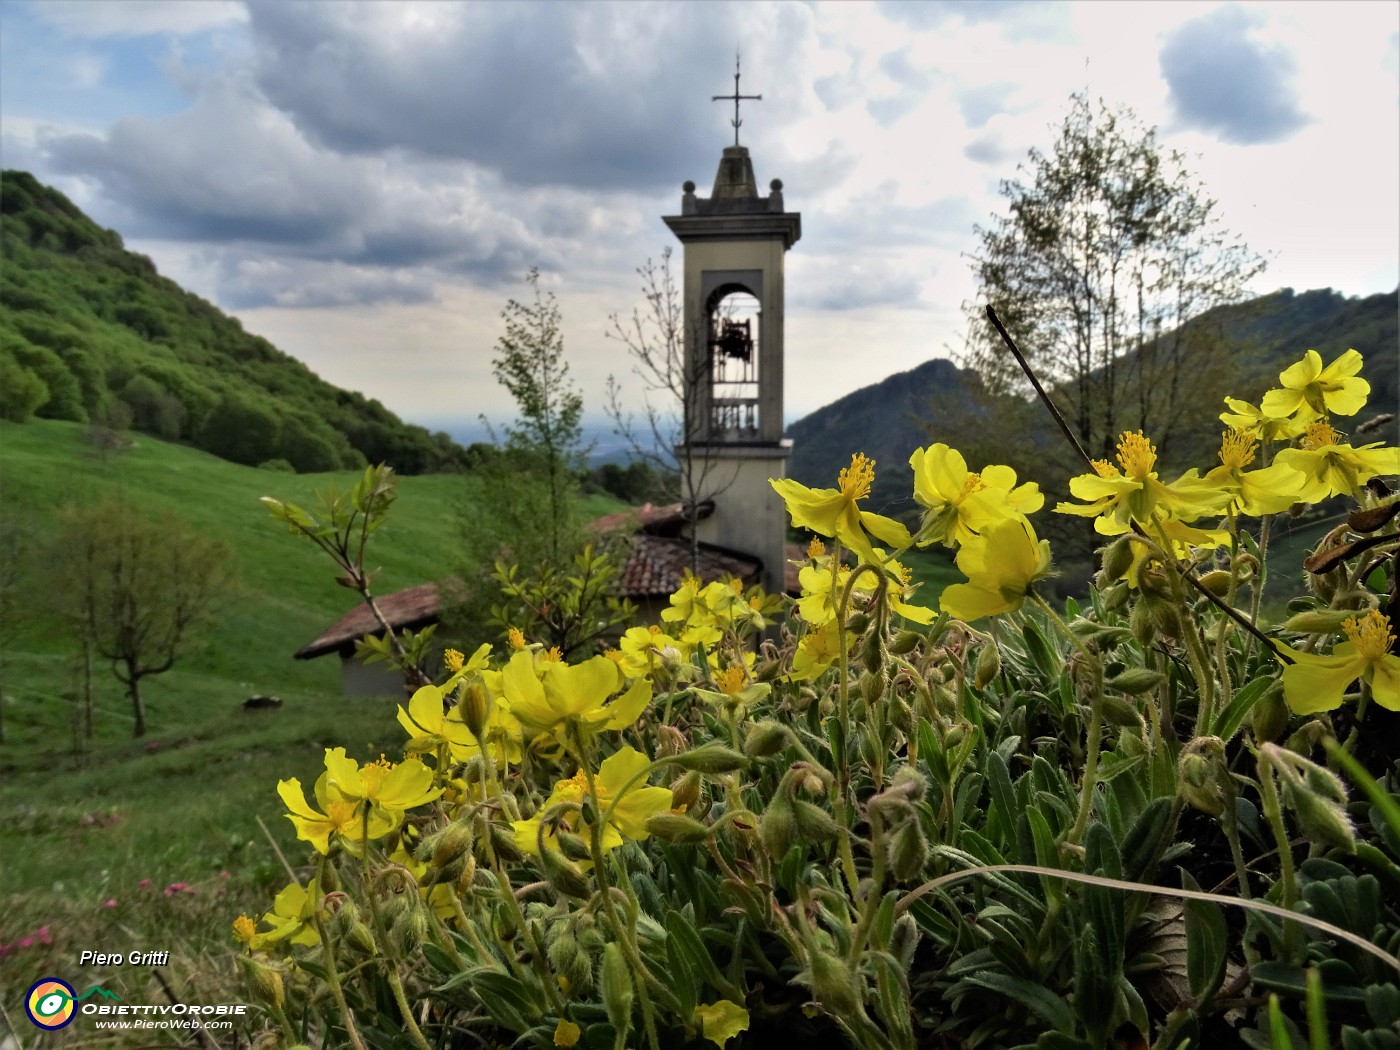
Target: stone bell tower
x,y
734,243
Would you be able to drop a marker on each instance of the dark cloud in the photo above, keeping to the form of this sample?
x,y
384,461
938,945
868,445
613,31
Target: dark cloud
x,y
942,222
988,148
598,96
1222,81
980,104
839,285
250,283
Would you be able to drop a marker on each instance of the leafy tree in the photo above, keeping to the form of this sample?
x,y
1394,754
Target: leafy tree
x,y
544,440
22,392
1108,246
138,590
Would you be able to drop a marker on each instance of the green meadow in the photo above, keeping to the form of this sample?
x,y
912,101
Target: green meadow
x,y
91,842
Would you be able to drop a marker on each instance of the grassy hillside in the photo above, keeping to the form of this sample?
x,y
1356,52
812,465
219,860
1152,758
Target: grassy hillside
x,y
91,332
183,804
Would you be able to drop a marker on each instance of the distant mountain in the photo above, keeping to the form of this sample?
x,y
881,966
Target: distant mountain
x,y
886,421
935,401
90,332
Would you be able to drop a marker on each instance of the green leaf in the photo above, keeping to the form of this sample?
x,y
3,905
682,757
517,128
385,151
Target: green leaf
x,y
1001,815
1031,994
1207,941
1228,722
1141,843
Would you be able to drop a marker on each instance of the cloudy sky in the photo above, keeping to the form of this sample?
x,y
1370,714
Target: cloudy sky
x,y
366,184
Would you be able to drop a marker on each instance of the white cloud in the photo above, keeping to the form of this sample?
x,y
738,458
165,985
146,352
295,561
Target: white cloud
x,y
123,18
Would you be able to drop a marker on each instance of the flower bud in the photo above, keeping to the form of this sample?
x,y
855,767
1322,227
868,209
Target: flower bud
x,y
670,741
453,841
264,981
858,623
1203,778
361,938
908,851
575,847
833,985
1318,621
563,875
778,827
1116,596
905,940
1217,581
814,824
1269,715
1323,820
1136,680
673,827
988,665
503,842
764,739
872,686
1117,559
1118,712
570,961
872,652
1140,623
905,642
685,792
474,707
617,989
711,758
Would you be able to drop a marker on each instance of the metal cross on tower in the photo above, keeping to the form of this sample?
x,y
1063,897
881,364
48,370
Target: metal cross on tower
x,y
735,97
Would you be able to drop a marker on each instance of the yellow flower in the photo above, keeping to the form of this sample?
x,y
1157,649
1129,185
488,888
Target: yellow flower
x,y
958,503
816,651
244,929
1266,491
1330,467
387,788
1116,499
642,648
834,512
515,638
722,1021
566,695
1244,416
631,802
292,918
429,726
1316,683
566,1033
1335,389
735,689
340,817
821,592
1001,565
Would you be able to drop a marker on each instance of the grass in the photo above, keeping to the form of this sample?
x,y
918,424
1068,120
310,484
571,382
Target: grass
x,y
188,802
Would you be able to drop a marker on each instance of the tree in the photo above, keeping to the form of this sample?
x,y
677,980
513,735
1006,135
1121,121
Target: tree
x,y
545,437
668,434
138,589
1109,247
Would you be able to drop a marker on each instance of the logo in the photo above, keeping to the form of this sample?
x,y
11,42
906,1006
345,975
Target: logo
x,y
52,1004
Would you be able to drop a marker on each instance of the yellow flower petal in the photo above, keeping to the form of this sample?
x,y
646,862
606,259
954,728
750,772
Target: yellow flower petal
x,y
721,1021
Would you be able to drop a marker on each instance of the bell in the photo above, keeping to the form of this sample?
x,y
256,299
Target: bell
x,y
735,341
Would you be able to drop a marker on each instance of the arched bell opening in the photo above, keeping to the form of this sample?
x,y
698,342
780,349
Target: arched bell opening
x,y
734,323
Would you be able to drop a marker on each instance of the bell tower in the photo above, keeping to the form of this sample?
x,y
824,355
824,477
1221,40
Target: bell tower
x,y
734,243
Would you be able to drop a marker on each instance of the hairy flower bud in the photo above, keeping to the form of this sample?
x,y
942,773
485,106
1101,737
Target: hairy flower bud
x,y
872,652
670,741
616,987
1323,820
988,665
453,841
908,851
569,960
779,826
1117,558
575,847
563,875
905,939
1136,680
1118,712
814,824
685,792
833,985
711,758
673,827
503,842
1318,621
1203,778
474,707
905,642
1217,581
1269,715
764,739
264,981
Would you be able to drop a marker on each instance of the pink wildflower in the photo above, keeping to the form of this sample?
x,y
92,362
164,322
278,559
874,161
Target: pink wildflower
x,y
111,902
43,934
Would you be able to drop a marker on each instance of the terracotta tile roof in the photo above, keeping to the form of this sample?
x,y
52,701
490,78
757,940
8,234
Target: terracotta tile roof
x,y
411,609
656,564
664,520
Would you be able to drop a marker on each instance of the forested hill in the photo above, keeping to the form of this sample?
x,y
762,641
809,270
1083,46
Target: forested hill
x,y
938,401
91,332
